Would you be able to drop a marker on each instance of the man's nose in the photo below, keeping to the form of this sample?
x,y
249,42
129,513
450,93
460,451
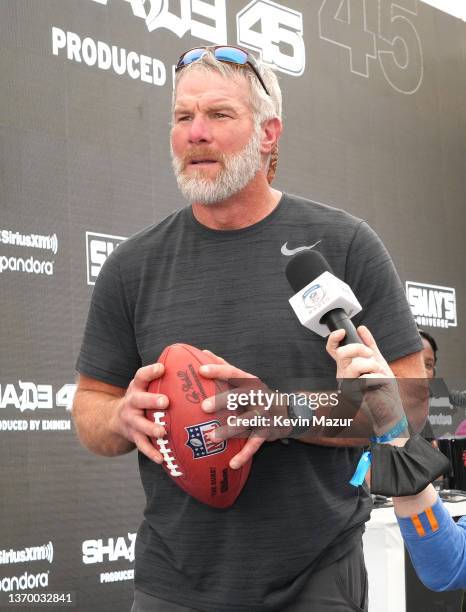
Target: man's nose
x,y
199,131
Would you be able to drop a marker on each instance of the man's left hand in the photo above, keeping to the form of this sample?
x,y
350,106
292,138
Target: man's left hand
x,y
243,383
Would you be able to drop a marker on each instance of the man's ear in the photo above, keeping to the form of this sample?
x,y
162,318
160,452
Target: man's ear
x,y
270,133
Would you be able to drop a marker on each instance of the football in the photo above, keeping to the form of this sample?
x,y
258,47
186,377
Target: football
x,y
197,464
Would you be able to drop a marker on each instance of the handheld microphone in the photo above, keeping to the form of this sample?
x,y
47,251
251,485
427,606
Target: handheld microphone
x,y
322,302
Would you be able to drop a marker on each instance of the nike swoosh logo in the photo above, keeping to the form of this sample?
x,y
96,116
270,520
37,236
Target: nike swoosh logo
x,y
288,252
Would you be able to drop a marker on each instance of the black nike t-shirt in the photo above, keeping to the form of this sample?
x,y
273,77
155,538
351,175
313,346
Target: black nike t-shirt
x,y
226,291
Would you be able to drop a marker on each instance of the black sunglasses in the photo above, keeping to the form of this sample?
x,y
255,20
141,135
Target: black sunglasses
x,y
230,55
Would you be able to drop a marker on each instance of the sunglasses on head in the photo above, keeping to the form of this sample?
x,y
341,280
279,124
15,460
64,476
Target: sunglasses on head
x,y
230,55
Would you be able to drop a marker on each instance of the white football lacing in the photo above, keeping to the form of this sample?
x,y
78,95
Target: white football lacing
x,y
165,450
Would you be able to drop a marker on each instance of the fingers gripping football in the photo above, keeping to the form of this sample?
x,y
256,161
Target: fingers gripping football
x,y
192,458
134,425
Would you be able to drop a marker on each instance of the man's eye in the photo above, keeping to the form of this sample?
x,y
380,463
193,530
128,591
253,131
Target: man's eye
x,y
184,118
220,115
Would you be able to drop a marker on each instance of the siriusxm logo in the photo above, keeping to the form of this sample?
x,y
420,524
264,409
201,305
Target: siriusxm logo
x,y
28,265
27,555
432,305
98,248
32,241
313,296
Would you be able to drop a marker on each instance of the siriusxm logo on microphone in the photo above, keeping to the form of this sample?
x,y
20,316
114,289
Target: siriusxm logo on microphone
x,y
313,296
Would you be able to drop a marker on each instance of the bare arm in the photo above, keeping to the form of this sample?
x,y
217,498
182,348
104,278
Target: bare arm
x,y
415,504
94,408
368,361
415,394
110,420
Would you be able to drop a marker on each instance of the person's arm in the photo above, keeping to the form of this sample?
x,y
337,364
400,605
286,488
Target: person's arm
x,y
370,272
415,392
110,420
436,544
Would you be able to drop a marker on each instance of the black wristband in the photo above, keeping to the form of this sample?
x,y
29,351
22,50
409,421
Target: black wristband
x,y
397,471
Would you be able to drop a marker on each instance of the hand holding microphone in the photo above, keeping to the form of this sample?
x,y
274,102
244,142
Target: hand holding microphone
x,y
322,302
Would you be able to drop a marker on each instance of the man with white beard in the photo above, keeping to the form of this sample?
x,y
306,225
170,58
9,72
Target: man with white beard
x,y
212,275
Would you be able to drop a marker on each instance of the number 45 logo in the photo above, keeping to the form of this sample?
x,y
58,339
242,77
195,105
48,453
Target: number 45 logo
x,y
371,29
275,32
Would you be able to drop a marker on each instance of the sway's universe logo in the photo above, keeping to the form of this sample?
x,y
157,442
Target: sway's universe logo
x,y
432,305
98,248
272,30
32,264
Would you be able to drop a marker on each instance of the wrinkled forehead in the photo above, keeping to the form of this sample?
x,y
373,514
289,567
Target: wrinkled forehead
x,y
198,84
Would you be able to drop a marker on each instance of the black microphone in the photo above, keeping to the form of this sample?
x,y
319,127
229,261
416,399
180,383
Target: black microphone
x,y
322,302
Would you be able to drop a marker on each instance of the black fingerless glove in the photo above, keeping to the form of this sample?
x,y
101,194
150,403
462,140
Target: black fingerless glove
x,y
397,471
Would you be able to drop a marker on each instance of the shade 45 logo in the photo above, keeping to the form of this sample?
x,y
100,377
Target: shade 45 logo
x,y
111,549
31,396
273,30
98,248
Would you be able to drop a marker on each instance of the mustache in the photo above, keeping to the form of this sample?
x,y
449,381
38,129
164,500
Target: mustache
x,y
201,152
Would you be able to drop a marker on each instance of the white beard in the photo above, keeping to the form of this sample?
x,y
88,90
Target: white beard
x,y
238,170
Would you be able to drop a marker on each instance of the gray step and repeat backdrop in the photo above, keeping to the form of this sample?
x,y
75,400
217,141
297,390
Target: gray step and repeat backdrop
x,y
375,123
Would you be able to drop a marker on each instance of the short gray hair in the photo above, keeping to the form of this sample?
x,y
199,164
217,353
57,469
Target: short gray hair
x,y
263,106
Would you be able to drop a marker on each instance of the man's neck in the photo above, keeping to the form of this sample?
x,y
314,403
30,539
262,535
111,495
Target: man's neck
x,y
248,206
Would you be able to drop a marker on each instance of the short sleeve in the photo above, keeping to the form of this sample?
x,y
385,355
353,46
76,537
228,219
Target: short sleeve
x,y
109,352
385,311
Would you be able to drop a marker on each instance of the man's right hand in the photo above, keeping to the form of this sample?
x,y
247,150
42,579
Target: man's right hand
x,y
129,419
111,420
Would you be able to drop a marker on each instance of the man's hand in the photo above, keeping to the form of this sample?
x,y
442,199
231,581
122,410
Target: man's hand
x,y
129,420
266,431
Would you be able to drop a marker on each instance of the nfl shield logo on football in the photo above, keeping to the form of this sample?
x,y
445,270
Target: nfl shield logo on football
x,y
199,441
313,296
